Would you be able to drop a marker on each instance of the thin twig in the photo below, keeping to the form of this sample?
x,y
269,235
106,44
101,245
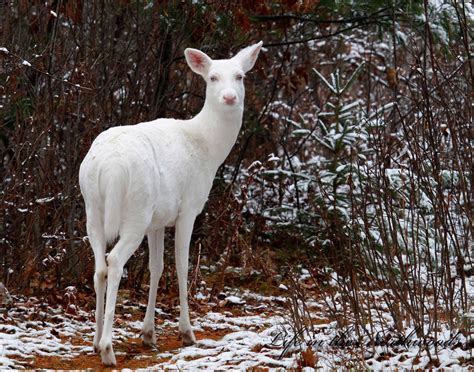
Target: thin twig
x,y
29,65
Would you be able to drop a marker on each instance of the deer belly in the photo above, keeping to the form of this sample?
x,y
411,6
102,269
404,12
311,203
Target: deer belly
x,y
165,213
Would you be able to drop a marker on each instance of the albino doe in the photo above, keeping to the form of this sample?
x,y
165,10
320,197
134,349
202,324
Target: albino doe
x,y
138,179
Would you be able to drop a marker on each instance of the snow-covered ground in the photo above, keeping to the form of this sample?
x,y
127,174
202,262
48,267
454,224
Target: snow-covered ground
x,y
30,329
242,331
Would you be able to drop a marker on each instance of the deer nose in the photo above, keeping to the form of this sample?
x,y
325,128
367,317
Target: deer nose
x,y
229,99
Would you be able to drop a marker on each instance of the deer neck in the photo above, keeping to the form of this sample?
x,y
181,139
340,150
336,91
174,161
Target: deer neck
x,y
219,130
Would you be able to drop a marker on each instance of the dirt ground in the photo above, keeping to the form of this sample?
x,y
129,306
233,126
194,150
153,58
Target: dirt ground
x,y
37,335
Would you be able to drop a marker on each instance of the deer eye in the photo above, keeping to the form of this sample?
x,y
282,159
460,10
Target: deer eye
x,y
213,78
239,77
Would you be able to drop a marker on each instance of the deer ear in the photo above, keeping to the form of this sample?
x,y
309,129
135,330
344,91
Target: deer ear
x,y
198,61
248,56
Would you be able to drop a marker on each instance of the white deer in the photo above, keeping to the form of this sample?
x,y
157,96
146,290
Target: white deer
x,y
136,180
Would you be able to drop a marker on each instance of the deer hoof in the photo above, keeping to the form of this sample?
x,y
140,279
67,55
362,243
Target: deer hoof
x,y
107,355
148,338
188,338
96,344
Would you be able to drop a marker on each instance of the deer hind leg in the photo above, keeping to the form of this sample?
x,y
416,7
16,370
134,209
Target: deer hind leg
x,y
156,248
184,228
118,257
97,240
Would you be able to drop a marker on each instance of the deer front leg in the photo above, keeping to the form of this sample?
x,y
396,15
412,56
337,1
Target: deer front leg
x,y
184,228
156,248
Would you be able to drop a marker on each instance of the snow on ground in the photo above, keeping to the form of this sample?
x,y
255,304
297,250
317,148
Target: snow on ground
x,y
245,330
26,332
31,329
248,345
